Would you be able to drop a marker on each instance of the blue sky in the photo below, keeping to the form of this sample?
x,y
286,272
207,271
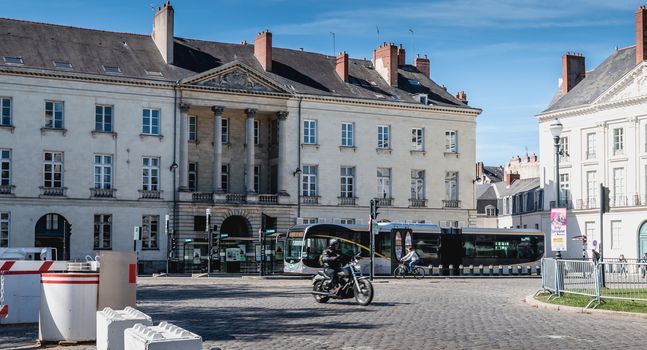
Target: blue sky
x,y
506,54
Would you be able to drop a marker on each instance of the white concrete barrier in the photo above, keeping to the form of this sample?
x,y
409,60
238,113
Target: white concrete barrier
x,y
111,325
164,336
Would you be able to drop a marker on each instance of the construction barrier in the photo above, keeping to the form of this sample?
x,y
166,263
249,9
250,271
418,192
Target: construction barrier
x,y
111,325
164,336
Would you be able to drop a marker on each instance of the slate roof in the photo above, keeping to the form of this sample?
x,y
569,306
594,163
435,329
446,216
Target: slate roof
x,y
495,173
486,193
596,81
520,186
40,44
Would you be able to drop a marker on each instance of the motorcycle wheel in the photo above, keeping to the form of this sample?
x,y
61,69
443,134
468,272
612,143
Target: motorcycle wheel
x,y
318,287
399,272
364,295
418,273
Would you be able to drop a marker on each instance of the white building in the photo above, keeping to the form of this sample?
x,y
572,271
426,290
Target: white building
x,y
605,142
109,131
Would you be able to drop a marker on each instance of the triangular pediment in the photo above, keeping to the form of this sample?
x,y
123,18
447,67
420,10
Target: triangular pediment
x,y
235,76
631,85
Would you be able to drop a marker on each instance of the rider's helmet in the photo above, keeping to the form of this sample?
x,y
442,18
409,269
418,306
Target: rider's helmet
x,y
333,243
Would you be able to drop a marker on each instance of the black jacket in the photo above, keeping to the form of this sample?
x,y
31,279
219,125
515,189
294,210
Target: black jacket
x,y
333,260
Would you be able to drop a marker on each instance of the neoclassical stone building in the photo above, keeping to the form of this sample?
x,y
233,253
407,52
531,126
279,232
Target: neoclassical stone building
x,y
103,131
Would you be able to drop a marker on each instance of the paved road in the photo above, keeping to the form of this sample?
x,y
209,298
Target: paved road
x,y
428,314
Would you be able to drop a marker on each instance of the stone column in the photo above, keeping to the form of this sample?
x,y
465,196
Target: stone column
x,y
217,148
249,143
282,172
184,147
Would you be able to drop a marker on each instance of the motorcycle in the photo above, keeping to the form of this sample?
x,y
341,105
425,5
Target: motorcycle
x,y
353,285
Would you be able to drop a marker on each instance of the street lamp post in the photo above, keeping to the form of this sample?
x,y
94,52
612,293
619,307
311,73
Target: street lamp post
x,y
556,130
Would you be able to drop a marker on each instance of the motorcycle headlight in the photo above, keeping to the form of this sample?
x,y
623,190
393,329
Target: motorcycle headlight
x,y
357,268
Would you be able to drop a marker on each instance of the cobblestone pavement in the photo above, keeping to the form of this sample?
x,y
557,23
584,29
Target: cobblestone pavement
x,y
428,314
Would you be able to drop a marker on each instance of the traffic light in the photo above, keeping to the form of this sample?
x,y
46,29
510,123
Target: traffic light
x,y
374,208
173,243
604,199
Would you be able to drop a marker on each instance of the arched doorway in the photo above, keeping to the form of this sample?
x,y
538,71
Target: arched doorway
x,y
236,226
642,239
238,249
54,230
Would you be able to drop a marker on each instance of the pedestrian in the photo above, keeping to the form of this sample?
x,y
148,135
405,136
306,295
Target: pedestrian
x,y
643,267
623,267
595,256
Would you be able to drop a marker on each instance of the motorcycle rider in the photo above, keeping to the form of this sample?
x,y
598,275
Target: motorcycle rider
x,y
333,259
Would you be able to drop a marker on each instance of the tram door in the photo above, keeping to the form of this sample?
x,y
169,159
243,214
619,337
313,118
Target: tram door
x,y
400,239
451,248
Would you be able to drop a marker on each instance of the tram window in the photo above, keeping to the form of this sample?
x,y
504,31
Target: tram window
x,y
427,247
469,249
506,247
484,247
293,248
529,246
314,246
384,244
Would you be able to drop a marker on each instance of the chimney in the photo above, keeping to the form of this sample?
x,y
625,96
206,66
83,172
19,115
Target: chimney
x,y
385,61
510,179
341,66
533,158
263,49
573,71
422,64
480,170
163,31
401,56
461,95
641,31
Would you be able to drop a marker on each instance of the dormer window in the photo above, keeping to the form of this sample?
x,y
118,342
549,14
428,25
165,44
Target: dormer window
x,y
414,82
112,69
422,98
154,73
62,65
17,60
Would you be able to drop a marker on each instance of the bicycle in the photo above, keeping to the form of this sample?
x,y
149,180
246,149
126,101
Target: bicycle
x,y
402,271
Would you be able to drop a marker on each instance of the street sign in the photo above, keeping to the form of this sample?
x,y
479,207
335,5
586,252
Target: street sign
x,y
595,242
224,235
375,229
187,240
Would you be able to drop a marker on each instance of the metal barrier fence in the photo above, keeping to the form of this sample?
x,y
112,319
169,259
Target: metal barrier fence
x,y
600,281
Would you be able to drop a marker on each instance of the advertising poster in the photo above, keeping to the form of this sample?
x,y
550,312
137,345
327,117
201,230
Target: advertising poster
x,y
558,229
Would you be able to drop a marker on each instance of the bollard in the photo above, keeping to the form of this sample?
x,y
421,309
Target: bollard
x,y
529,270
440,270
518,270
451,270
500,270
472,270
509,270
491,270
480,270
538,269
460,270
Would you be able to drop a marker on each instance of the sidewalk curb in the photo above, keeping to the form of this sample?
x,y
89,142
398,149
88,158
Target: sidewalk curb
x,y
530,300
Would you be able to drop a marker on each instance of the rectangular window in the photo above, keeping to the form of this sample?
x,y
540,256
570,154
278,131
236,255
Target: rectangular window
x,y
347,178
591,189
451,185
589,226
4,229
310,221
102,231
451,141
151,121
618,141
5,111
563,149
383,136
383,183
564,186
616,227
5,167
53,169
224,178
590,146
103,118
103,171
193,128
225,131
347,135
150,229
309,180
310,132
417,139
51,222
257,132
618,186
193,177
257,178
150,174
347,221
54,114
417,184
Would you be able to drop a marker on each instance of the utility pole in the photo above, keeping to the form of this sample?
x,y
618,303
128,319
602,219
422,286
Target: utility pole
x,y
210,240
373,229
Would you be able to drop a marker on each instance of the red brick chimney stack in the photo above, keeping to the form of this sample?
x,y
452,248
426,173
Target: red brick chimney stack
x,y
385,61
510,179
263,49
422,64
641,34
480,170
401,56
461,95
573,71
341,66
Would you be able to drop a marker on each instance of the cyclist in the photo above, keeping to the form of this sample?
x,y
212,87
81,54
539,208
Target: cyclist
x,y
411,259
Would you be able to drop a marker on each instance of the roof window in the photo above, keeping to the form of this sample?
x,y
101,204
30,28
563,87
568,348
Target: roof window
x,y
62,65
154,73
111,69
414,82
13,60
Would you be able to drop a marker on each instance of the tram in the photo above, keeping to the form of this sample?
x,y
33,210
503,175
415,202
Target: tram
x,y
435,246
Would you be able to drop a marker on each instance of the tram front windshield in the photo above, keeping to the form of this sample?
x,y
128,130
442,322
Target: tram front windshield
x,y
293,246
